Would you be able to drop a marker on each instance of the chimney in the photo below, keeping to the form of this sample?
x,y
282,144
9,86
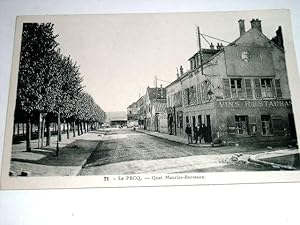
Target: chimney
x,y
256,24
278,39
218,46
212,46
177,73
181,70
242,27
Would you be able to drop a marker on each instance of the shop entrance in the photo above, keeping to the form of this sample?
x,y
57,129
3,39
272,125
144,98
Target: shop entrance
x,y
207,135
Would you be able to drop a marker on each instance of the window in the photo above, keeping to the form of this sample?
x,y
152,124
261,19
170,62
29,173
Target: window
x,y
192,95
130,112
204,89
248,87
236,88
187,119
278,88
179,120
266,125
277,128
241,125
267,88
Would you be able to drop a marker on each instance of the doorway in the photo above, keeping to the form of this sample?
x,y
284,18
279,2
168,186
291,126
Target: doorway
x,y
207,135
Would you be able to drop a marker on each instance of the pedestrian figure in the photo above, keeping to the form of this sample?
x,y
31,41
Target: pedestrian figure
x,y
197,132
188,131
202,133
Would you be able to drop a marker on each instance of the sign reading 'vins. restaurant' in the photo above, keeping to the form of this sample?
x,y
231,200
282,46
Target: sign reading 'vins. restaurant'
x,y
254,104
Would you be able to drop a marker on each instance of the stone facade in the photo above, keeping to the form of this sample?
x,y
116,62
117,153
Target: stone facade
x,y
155,103
243,93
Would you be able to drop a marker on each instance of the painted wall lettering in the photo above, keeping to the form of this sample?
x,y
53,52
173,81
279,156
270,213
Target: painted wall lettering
x,y
254,104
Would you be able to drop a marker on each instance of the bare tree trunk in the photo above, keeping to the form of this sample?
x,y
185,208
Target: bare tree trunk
x,y
81,129
68,131
31,128
43,132
64,126
18,129
23,130
48,138
78,127
28,135
39,129
74,128
58,127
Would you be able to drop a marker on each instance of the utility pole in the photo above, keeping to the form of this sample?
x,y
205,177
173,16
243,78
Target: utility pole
x,y
201,66
200,50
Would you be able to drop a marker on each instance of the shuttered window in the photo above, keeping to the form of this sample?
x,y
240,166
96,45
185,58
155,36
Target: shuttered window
x,y
278,88
199,93
248,87
204,89
277,125
226,88
192,95
257,88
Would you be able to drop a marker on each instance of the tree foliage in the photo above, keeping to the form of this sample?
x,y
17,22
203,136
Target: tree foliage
x,y
50,83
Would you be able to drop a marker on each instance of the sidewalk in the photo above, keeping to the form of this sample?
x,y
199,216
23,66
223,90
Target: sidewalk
x,y
73,154
287,159
174,138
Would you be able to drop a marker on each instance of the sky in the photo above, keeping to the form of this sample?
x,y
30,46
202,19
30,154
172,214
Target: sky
x,y
119,55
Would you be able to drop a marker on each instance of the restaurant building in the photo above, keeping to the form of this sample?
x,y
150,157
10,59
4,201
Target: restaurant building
x,y
240,92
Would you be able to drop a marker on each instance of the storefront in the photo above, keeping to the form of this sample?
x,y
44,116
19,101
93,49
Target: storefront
x,y
255,120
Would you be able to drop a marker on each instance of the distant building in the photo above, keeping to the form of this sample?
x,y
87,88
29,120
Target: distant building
x,y
242,95
132,114
116,118
155,103
141,111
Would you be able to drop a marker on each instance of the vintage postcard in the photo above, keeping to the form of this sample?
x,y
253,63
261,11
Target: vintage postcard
x,y
152,99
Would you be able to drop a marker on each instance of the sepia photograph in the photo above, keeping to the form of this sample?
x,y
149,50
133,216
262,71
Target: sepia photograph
x,y
152,98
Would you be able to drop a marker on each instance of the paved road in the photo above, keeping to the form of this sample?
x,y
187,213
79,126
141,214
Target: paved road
x,y
124,151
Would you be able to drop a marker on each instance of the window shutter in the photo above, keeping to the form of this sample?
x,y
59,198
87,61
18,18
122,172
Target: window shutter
x,y
277,125
226,87
278,88
257,88
248,86
244,94
185,97
199,93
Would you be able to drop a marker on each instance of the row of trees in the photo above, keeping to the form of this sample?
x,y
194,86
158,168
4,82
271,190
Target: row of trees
x,y
50,88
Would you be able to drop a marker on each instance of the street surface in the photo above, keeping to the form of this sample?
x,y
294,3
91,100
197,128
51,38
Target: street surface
x,y
124,151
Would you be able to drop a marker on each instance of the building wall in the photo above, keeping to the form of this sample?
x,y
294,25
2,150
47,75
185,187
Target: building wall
x,y
277,110
265,61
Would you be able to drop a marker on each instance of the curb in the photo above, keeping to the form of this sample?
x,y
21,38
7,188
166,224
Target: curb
x,y
191,145
153,135
270,164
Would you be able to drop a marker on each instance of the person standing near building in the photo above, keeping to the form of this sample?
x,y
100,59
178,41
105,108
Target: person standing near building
x,y
203,133
188,131
197,131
